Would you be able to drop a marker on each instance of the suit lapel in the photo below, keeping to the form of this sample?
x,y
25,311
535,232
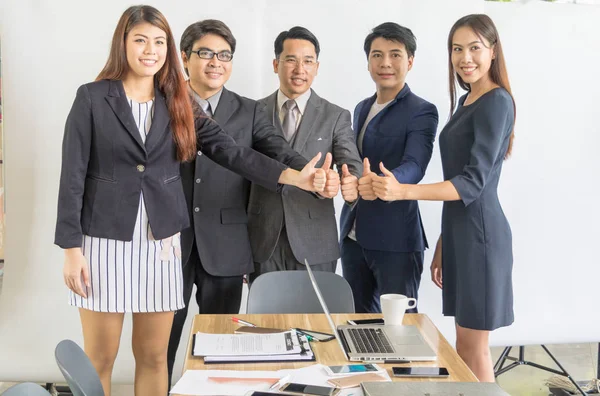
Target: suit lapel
x,y
117,100
226,108
364,112
160,120
271,103
306,127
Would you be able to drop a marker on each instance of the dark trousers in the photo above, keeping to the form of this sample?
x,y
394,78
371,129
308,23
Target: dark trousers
x,y
214,295
283,259
372,273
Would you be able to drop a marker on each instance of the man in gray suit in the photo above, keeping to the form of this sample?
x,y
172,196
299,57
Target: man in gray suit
x,y
287,228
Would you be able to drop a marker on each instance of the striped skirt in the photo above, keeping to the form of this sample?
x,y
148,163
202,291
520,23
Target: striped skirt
x,y
143,275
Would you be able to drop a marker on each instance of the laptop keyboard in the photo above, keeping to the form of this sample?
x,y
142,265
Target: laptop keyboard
x,y
370,340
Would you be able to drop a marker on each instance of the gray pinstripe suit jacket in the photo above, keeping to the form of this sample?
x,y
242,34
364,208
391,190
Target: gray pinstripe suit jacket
x,y
310,221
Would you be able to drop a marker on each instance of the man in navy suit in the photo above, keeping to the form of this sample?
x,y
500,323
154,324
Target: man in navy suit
x,y
382,243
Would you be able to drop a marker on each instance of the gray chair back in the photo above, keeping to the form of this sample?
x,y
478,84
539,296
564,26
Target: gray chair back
x,y
26,389
292,292
77,369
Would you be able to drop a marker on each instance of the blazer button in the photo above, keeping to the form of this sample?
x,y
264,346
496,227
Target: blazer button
x,y
199,153
196,209
198,180
141,168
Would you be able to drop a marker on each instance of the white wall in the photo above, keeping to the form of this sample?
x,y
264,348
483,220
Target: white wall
x,y
50,48
549,189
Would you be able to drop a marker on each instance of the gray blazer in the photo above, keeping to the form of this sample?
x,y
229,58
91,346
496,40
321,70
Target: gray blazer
x,y
309,221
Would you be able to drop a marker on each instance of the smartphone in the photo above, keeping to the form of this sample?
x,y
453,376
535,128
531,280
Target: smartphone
x,y
352,369
439,372
308,389
365,321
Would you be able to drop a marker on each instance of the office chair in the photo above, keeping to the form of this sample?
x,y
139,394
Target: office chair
x,y
26,389
292,292
77,369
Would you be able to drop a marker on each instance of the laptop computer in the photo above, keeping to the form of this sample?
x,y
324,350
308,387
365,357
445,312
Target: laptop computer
x,y
376,343
432,389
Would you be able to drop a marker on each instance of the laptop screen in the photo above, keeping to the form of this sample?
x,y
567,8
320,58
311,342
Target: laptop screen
x,y
324,306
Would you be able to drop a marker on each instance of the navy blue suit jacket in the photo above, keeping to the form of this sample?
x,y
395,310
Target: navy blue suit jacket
x,y
401,136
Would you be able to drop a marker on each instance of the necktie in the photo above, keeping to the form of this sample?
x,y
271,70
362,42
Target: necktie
x,y
208,110
289,120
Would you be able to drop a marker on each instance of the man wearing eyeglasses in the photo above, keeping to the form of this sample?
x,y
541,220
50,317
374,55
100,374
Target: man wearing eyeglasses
x,y
216,249
285,229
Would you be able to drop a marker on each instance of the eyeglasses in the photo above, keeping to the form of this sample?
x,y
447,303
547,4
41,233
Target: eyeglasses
x,y
292,63
205,53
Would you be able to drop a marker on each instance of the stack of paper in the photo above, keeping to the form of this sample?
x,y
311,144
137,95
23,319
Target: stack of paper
x,y
250,348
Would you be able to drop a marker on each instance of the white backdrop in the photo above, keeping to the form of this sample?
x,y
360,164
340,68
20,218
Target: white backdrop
x,y
548,189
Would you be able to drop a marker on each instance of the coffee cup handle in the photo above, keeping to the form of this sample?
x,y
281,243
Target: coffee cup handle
x,y
413,301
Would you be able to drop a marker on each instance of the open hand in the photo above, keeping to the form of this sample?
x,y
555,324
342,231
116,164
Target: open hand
x,y
76,271
436,270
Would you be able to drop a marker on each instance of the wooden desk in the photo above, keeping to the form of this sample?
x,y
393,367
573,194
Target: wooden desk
x,y
327,353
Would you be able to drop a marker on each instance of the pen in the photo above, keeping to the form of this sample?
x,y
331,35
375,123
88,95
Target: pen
x,y
308,336
280,383
240,321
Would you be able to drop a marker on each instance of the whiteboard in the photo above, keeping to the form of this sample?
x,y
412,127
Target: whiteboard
x,y
548,189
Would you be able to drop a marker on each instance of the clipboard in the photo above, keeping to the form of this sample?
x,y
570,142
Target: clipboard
x,y
306,355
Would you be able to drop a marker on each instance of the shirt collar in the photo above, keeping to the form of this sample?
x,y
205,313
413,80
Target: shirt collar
x,y
301,101
213,100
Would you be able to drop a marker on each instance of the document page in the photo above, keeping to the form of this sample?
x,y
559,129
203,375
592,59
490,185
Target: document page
x,y
246,344
224,382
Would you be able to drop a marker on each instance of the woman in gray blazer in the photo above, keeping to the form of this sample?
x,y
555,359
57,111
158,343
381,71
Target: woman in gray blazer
x,y
121,203
474,253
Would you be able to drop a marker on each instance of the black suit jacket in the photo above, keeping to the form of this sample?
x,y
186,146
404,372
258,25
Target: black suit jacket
x,y
106,166
217,198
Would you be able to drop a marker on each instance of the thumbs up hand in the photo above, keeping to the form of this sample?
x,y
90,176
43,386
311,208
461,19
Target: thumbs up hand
x,y
309,178
365,183
332,184
349,185
386,187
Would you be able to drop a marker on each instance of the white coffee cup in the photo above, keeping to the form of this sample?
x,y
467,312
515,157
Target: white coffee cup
x,y
393,307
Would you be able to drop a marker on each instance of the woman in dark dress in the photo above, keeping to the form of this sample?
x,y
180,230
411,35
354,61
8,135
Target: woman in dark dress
x,y
474,253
